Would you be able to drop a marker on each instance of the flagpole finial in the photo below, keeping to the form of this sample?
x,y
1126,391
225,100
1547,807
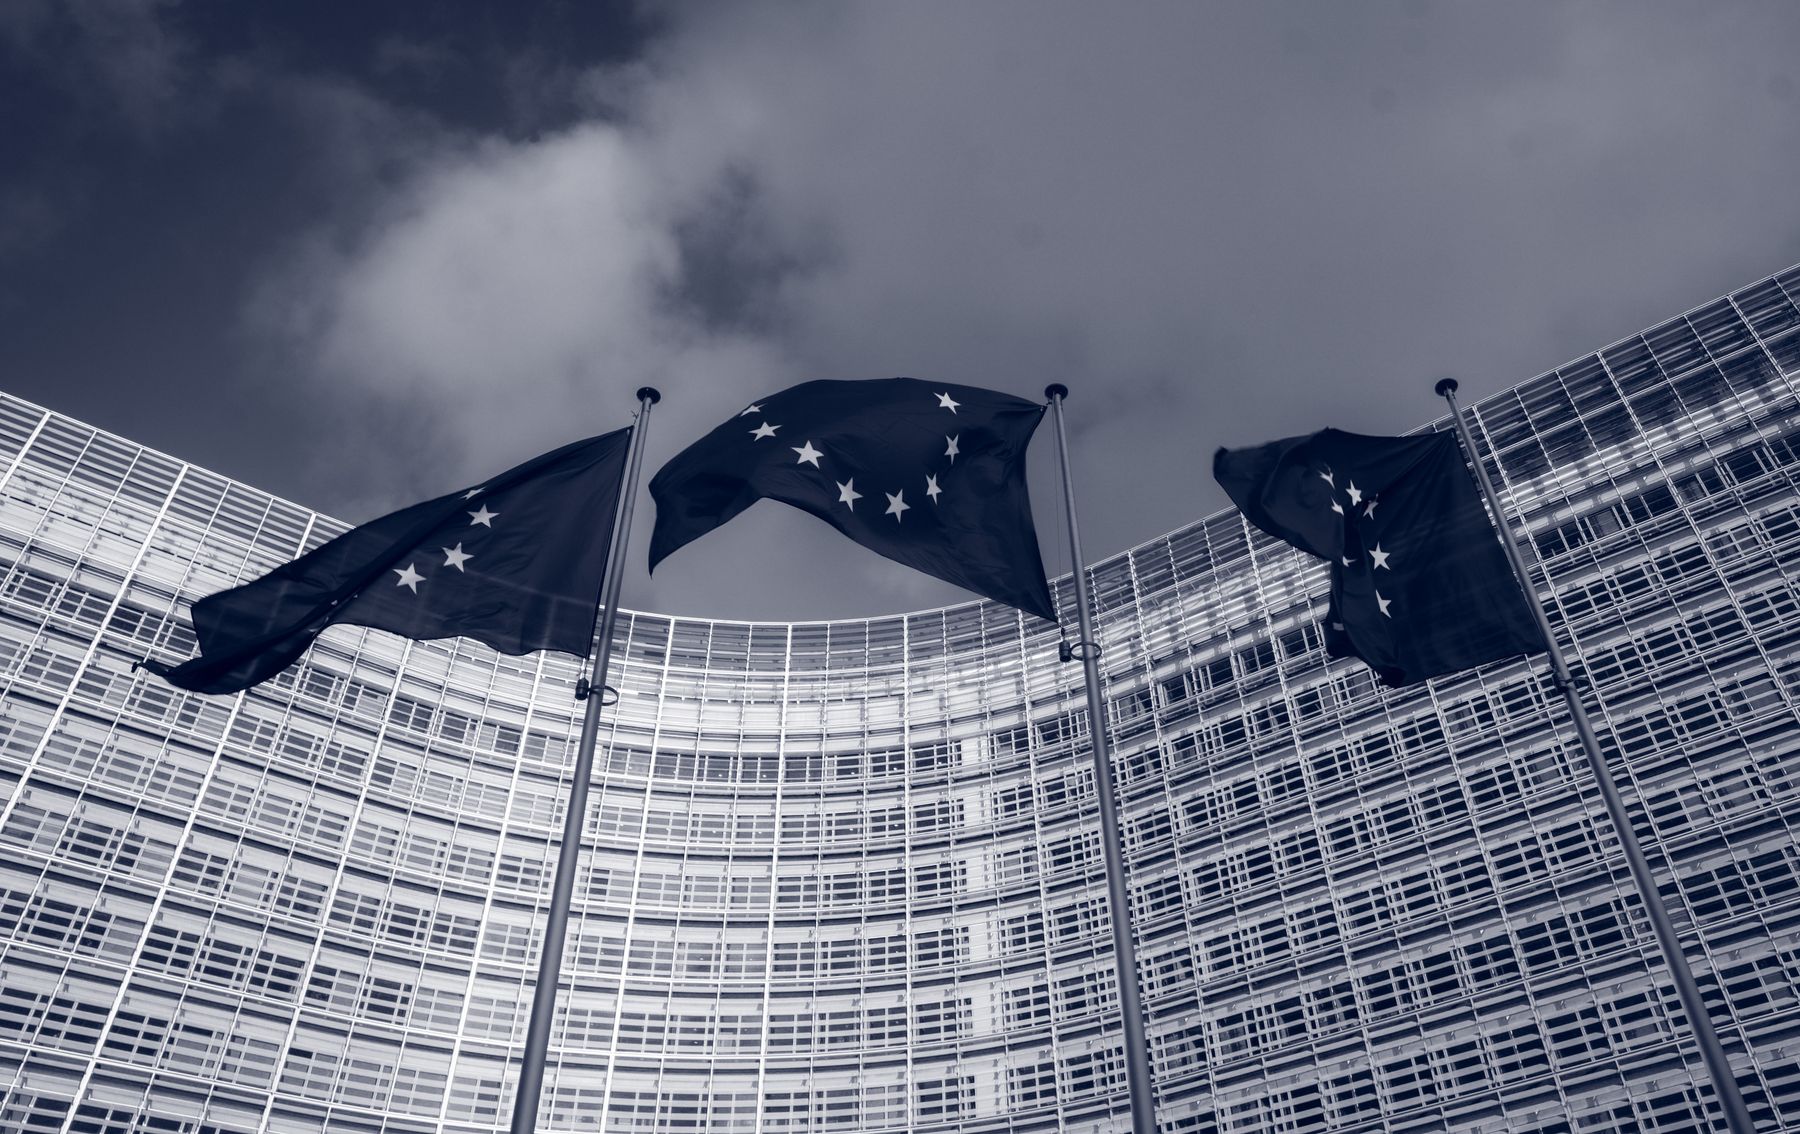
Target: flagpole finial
x,y
1445,387
1056,390
651,393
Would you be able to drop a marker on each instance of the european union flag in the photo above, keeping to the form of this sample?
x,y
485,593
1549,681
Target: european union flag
x,y
1420,585
515,562
931,475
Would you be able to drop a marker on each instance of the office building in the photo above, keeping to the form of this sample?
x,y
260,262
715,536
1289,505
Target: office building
x,y
847,876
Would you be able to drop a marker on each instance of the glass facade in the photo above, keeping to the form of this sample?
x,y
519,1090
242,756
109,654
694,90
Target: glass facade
x,y
847,875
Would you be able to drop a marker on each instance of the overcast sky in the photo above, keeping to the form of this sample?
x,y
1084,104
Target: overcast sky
x,y
359,254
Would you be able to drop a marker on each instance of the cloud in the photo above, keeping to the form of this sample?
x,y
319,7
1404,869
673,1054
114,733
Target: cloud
x,y
1216,224
518,268
507,295
1223,223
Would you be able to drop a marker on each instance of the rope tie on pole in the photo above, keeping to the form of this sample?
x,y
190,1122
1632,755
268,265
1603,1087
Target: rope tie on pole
x,y
585,689
1079,650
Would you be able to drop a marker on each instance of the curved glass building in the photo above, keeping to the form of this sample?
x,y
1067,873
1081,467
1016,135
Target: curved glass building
x,y
847,875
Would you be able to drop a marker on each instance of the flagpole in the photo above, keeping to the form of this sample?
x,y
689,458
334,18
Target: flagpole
x,y
1724,1082
543,999
1131,1007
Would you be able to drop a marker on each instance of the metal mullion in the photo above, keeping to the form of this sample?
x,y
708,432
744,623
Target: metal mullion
x,y
160,894
330,898
26,446
92,649
695,843
460,1043
1053,1024
1762,345
762,1053
82,490
1762,342
908,874
1671,951
631,908
1643,551
692,844
1329,873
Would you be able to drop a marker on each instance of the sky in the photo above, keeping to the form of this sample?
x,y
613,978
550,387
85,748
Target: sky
x,y
361,254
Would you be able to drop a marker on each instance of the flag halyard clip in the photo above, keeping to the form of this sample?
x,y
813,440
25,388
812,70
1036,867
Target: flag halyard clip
x,y
585,689
1068,651
1575,680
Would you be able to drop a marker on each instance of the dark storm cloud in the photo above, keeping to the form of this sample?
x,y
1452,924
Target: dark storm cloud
x,y
1218,224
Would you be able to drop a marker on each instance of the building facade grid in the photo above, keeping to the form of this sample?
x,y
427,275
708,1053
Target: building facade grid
x,y
847,875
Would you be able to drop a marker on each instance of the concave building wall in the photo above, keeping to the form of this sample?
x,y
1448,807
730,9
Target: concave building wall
x,y
847,875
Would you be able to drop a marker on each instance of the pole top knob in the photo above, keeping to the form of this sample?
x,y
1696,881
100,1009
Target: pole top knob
x,y
1056,390
650,394
1445,387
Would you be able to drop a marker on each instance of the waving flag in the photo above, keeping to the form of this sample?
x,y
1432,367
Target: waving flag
x,y
931,475
514,562
1420,585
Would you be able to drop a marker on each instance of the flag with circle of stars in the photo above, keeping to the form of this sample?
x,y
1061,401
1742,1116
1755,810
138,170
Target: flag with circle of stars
x,y
514,562
1420,585
928,474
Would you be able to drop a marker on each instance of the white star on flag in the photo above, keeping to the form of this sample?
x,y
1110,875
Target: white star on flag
x,y
1380,557
1369,509
1325,476
763,430
409,578
1383,604
808,454
483,517
945,401
1355,493
952,450
847,494
472,494
896,504
931,488
751,410
455,556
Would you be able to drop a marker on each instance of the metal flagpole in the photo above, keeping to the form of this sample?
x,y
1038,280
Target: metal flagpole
x,y
543,1000
1724,1083
1131,1006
